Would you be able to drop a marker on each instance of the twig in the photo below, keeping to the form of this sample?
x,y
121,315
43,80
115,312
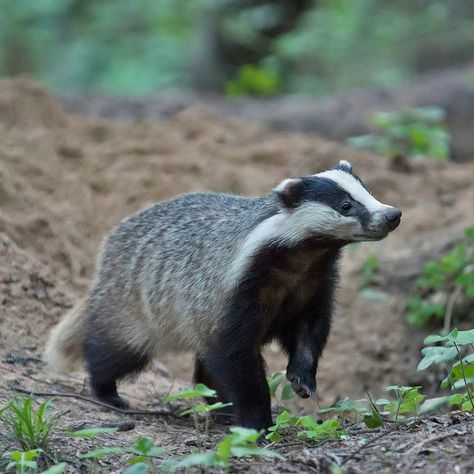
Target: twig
x,y
369,443
94,401
449,308
416,449
418,446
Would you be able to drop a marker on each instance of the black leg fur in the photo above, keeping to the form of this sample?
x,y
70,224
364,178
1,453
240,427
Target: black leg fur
x,y
201,375
241,376
304,344
108,363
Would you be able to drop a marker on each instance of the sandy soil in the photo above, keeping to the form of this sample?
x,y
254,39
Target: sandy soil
x,y
65,180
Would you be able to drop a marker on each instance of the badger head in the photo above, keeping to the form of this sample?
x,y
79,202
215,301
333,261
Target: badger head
x,y
334,205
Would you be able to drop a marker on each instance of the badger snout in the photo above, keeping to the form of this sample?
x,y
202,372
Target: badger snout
x,y
393,217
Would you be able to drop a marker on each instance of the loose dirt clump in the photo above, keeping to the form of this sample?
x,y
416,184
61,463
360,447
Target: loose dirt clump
x,y
66,180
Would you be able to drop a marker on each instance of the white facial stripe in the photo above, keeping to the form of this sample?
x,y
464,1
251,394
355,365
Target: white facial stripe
x,y
350,184
311,218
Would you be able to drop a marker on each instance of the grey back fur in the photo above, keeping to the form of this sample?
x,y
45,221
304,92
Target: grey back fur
x,y
161,281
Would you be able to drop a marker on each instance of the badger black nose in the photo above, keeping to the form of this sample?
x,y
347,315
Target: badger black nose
x,y
392,217
393,214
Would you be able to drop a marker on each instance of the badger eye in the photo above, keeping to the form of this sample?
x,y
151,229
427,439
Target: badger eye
x,y
346,207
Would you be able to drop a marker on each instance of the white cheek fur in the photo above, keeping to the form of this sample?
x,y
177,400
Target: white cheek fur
x,y
292,227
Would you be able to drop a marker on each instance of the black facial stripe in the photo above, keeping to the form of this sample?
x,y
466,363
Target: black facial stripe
x,y
362,213
322,190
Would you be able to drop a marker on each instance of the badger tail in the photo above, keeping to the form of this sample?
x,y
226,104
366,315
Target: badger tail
x,y
63,350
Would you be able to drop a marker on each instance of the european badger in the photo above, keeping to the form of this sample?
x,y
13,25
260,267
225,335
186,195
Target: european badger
x,y
221,276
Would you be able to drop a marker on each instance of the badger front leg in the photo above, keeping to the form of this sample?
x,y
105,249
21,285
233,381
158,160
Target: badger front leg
x,y
304,345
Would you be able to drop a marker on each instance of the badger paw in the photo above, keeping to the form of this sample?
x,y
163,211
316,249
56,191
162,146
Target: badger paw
x,y
303,387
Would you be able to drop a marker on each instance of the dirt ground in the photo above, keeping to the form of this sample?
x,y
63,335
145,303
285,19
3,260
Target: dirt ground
x,y
65,180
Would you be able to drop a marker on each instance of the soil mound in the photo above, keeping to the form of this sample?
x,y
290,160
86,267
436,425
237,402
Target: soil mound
x,y
66,180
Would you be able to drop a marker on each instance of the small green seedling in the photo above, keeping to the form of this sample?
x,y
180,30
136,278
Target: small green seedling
x,y
349,408
143,452
303,426
22,461
31,427
408,401
199,390
189,394
457,349
242,442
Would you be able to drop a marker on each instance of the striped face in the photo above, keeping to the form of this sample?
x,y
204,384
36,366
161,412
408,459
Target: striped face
x,y
333,204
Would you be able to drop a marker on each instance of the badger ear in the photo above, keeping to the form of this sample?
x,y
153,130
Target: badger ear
x,y
343,165
289,191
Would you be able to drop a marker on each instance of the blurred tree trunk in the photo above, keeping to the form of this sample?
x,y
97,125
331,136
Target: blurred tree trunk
x,y
240,32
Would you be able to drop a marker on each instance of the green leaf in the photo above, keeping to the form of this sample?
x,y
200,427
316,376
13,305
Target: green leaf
x,y
342,406
374,420
287,393
467,406
308,422
436,355
139,468
328,429
205,408
245,451
90,432
58,469
199,390
462,338
274,437
274,381
244,434
143,444
223,448
432,404
195,459
456,399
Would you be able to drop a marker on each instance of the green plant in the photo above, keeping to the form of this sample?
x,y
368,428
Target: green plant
x,y
198,391
408,401
279,387
408,132
370,267
242,442
143,451
304,426
445,285
31,427
253,80
457,349
23,461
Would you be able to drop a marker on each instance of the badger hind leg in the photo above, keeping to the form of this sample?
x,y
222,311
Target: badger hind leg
x,y
108,362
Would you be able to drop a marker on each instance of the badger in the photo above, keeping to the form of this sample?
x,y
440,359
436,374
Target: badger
x,y
222,276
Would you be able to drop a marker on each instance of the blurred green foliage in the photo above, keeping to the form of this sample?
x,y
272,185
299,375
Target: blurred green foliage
x,y
409,132
124,47
445,286
253,80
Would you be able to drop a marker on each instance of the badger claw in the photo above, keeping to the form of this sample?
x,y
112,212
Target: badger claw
x,y
302,389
